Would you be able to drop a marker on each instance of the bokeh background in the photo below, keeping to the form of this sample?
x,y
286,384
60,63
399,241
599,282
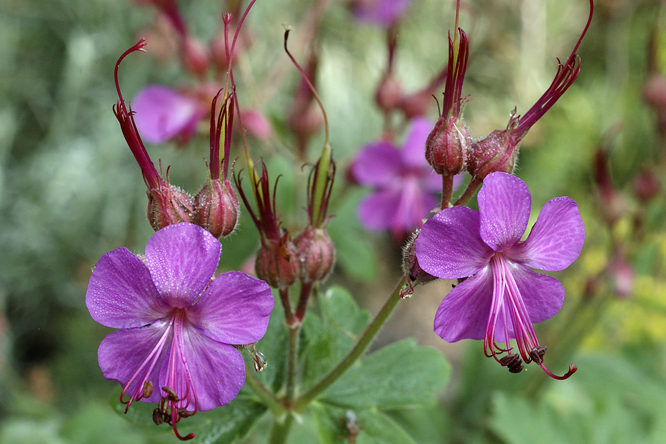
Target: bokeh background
x,y
71,191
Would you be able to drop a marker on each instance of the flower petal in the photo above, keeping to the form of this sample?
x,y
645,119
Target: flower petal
x,y
543,295
396,209
463,314
217,370
376,211
449,245
381,12
234,309
556,238
122,352
413,151
121,293
504,204
162,113
377,164
182,258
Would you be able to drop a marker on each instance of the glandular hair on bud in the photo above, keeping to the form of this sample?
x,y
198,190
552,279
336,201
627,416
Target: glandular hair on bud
x,y
410,264
277,263
497,152
168,205
316,252
216,208
448,146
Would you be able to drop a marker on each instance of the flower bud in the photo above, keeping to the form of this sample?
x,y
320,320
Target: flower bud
x,y
278,263
646,186
304,119
448,146
168,205
497,152
256,124
622,276
316,253
416,104
654,91
195,56
217,208
411,267
389,93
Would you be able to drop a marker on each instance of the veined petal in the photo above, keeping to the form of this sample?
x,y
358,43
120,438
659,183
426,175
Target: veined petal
x,y
414,206
504,204
121,293
543,295
122,354
217,370
377,210
449,245
413,151
463,314
556,238
377,164
234,309
182,258
162,113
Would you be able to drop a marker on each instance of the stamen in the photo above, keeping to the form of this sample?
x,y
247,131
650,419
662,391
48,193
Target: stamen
x,y
513,362
150,361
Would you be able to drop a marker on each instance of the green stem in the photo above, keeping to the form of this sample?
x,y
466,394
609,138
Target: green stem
x,y
363,342
280,430
292,361
266,396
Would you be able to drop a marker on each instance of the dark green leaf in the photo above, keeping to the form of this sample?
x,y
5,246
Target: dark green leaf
x,y
274,347
327,340
220,425
337,425
400,375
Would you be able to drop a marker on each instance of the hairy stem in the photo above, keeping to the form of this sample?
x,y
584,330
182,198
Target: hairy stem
x,y
280,430
266,396
469,192
364,341
292,358
447,191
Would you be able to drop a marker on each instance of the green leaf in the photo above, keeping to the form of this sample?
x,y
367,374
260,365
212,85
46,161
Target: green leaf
x,y
227,423
337,425
221,425
274,347
400,375
328,339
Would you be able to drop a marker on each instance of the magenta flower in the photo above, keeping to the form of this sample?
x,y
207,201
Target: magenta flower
x,y
178,325
405,185
380,12
163,114
502,296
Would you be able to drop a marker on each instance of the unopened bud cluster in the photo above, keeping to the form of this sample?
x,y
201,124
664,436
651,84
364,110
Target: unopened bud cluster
x,y
277,263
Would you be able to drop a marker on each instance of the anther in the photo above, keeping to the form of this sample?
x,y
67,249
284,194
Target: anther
x,y
513,362
537,353
147,389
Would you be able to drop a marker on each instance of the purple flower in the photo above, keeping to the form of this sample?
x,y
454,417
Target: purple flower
x,y
502,297
178,325
163,114
405,185
380,12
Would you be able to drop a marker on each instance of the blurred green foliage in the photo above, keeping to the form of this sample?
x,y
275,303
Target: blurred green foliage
x,y
70,191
